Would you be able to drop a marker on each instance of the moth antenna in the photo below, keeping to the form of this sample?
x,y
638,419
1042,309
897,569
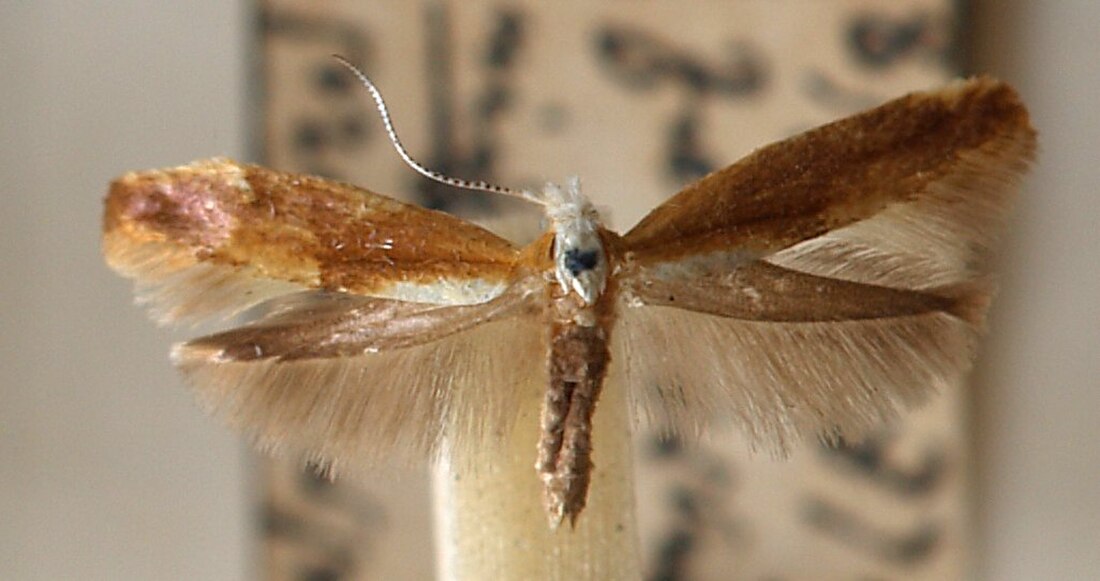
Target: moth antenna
x,y
384,113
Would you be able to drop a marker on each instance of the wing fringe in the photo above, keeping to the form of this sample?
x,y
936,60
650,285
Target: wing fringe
x,y
781,382
351,413
945,236
178,289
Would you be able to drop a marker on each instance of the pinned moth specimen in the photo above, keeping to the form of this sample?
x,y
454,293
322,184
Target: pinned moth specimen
x,y
815,288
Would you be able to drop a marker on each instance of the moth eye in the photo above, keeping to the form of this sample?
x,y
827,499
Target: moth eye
x,y
578,261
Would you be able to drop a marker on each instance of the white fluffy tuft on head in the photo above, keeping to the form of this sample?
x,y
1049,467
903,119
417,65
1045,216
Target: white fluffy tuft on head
x,y
568,204
579,256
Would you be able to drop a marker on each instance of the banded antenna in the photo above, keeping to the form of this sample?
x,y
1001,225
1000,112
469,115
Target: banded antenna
x,y
384,113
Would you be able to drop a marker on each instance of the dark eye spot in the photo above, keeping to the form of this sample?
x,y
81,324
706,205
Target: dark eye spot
x,y
578,261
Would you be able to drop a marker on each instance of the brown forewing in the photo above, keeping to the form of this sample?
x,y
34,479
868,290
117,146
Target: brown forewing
x,y
834,175
304,230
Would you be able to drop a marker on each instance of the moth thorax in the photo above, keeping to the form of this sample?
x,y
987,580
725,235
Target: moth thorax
x,y
580,261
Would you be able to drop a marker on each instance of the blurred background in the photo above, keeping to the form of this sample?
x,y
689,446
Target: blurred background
x,y
109,471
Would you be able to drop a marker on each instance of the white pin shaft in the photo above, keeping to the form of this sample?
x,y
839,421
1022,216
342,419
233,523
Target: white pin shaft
x,y
491,523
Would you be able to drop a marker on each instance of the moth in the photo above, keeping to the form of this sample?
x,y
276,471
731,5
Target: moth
x,y
817,287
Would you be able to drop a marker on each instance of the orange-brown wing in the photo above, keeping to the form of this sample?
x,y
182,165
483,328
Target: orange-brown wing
x,y
925,176
215,237
824,283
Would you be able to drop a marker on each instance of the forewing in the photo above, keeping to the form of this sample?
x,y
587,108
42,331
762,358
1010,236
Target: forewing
x,y
216,237
907,194
784,354
348,381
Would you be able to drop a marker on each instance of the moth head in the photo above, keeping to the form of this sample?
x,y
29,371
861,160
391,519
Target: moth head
x,y
580,262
